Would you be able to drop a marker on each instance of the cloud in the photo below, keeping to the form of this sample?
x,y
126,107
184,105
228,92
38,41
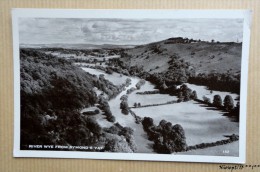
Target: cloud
x,y
125,31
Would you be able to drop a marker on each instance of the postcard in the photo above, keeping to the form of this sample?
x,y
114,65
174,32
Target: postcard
x,y
155,85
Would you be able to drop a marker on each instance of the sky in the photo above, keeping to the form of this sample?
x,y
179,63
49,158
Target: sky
x,y
125,31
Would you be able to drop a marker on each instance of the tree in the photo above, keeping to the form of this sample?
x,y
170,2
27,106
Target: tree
x,y
228,102
206,99
217,101
147,122
125,108
124,105
135,104
139,104
194,95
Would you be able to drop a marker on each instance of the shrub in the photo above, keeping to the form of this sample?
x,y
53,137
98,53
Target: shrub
x,y
96,111
113,129
117,145
217,101
194,95
206,99
228,103
124,106
147,122
125,111
111,118
162,123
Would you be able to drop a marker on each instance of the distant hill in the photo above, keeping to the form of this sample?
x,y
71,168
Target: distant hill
x,y
202,57
76,46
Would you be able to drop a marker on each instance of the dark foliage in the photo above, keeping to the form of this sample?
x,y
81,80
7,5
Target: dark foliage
x,y
228,103
217,101
147,122
52,92
167,138
218,81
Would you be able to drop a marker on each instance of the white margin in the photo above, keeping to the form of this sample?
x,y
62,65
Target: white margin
x,y
133,14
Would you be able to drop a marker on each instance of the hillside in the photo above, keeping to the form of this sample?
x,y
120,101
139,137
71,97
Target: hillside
x,y
203,57
53,91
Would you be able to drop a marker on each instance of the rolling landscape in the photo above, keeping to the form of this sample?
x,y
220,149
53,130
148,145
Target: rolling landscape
x,y
176,96
146,86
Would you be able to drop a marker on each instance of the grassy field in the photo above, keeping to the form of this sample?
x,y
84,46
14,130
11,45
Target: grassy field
x,y
200,124
149,99
115,78
203,91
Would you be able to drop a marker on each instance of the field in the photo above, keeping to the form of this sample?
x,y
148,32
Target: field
x,y
129,85
198,122
203,91
115,78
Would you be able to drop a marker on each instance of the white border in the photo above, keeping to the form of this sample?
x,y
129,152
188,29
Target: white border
x,y
153,14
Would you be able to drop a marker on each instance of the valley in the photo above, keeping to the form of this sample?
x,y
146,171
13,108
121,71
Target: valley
x,y
177,81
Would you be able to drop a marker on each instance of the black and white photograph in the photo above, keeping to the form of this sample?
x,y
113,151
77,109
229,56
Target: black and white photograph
x,y
157,85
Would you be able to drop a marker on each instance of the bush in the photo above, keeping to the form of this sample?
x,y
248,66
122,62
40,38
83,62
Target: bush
x,y
217,101
167,138
206,99
125,111
124,106
111,118
113,130
117,145
96,111
228,103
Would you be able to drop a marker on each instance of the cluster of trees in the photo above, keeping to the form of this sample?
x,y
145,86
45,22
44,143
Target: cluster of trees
x,y
156,104
124,104
117,144
156,49
186,94
130,90
128,82
139,84
107,87
149,92
167,138
137,104
227,105
103,105
228,81
180,72
52,87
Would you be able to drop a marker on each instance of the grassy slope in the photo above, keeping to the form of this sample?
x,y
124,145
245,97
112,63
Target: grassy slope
x,y
226,56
